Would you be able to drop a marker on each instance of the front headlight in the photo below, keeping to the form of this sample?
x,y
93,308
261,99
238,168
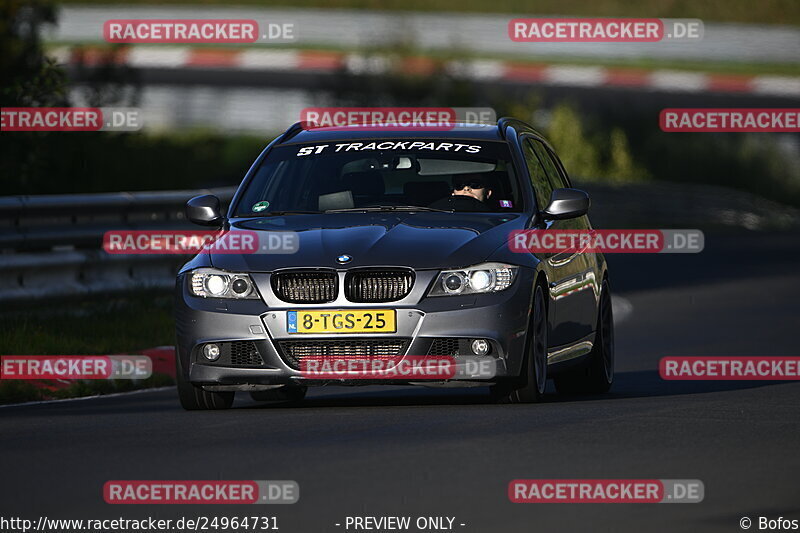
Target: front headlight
x,y
212,283
487,277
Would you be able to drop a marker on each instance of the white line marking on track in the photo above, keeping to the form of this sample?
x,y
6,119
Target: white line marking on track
x,y
88,397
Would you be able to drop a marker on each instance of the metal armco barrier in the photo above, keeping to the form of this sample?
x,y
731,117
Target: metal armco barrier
x,y
665,205
51,245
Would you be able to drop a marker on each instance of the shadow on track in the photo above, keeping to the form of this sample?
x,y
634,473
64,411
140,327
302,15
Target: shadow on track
x,y
627,385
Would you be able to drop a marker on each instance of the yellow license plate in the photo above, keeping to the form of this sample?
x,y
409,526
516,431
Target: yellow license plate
x,y
342,321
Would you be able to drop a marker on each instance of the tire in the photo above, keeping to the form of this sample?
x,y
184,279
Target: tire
x,y
530,386
597,375
194,398
289,393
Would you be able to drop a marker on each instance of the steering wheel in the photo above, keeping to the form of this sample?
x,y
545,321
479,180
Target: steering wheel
x,y
378,204
459,203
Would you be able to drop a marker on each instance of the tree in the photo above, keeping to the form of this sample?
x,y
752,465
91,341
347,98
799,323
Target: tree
x,y
29,77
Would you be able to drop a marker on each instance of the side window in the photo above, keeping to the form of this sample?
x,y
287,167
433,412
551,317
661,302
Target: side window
x,y
563,177
556,180
555,171
541,185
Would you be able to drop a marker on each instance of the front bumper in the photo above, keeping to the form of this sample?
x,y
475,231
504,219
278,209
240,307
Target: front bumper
x,y
501,318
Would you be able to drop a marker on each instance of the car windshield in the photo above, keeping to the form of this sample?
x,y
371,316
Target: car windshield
x,y
425,174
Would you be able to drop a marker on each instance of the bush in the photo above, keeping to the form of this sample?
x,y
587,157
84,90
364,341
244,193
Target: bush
x,y
608,149
107,162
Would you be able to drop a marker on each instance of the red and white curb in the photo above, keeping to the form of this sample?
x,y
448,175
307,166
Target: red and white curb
x,y
163,362
84,398
186,57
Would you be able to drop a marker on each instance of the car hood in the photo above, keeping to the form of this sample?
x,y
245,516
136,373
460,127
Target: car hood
x,y
419,240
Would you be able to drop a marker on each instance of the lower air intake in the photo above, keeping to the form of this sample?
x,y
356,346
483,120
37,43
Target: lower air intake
x,y
294,351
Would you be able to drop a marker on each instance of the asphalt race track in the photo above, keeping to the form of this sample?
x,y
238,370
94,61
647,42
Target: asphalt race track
x,y
445,452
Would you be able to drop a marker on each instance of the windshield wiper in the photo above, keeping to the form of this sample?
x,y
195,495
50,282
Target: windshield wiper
x,y
281,213
389,208
422,208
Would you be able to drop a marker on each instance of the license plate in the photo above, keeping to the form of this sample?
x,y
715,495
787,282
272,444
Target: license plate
x,y
342,321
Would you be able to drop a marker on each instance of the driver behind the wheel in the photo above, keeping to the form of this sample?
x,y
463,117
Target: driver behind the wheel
x,y
474,185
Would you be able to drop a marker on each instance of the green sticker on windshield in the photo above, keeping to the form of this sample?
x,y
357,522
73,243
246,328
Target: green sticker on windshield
x,y
260,206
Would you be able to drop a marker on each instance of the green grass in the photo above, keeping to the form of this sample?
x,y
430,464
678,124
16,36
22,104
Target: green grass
x,y
109,326
94,327
764,11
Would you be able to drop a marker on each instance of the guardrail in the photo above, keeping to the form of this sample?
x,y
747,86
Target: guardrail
x,y
50,245
665,205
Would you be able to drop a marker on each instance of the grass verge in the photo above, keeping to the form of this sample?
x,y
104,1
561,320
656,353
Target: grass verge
x,y
117,325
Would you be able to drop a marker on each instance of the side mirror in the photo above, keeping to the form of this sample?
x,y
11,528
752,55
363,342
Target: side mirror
x,y
566,203
204,210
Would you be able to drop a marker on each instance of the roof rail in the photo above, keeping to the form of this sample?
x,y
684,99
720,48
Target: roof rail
x,y
505,122
502,124
293,130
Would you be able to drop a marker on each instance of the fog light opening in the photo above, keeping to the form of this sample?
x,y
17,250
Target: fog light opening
x,y
211,352
480,347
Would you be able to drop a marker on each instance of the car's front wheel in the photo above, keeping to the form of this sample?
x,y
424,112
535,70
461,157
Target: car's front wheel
x,y
530,386
194,398
597,375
